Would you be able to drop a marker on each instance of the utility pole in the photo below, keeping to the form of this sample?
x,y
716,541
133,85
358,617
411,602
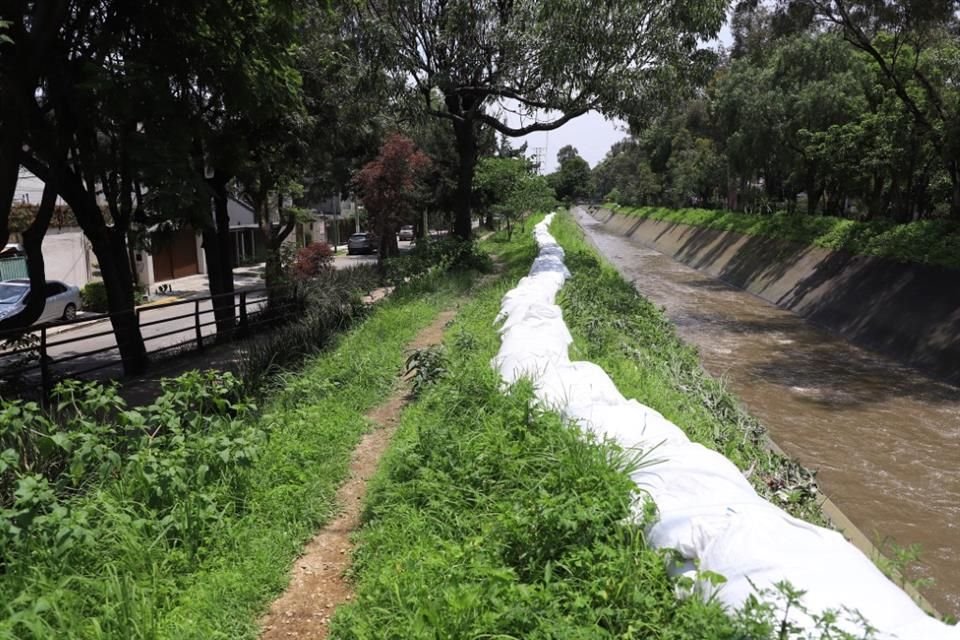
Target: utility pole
x,y
540,154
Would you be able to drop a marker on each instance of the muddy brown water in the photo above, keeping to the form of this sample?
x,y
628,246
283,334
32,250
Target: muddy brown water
x,y
884,439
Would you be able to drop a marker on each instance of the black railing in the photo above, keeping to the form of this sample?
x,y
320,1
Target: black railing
x,y
40,350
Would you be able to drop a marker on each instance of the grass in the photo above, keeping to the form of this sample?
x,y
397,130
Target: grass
x,y
129,576
616,328
492,518
931,242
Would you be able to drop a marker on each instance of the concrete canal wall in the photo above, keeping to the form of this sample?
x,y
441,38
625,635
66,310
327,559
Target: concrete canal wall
x,y
909,312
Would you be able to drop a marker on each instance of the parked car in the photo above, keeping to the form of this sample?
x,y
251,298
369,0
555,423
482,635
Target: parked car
x,y
364,242
63,300
12,250
406,232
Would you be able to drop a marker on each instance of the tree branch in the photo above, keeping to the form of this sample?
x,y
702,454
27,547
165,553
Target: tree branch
x,y
532,128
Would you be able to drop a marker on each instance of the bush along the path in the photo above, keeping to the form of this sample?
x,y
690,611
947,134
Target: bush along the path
x,y
431,255
181,519
327,304
922,241
623,332
491,518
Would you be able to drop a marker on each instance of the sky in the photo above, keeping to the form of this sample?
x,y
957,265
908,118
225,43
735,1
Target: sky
x,y
591,134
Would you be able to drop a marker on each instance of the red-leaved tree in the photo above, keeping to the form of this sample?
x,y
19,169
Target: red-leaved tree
x,y
389,186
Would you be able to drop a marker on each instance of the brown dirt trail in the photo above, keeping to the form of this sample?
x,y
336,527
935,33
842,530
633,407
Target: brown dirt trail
x,y
317,583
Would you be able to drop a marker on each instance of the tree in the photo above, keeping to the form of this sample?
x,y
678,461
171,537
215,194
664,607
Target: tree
x,y
912,45
508,188
94,103
388,186
32,247
550,59
76,85
572,181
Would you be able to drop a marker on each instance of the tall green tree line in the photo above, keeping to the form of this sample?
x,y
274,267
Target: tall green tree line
x,y
843,108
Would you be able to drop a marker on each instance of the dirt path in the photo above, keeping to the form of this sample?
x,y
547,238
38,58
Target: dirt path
x,y
317,584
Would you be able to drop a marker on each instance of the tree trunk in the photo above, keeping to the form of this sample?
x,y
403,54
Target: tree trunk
x,y
216,246
954,171
118,281
388,247
466,143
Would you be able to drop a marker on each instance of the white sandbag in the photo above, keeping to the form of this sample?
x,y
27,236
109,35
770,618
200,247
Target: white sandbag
x,y
760,548
706,509
559,382
630,423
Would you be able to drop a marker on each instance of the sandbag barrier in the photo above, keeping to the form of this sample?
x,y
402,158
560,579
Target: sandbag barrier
x,y
707,510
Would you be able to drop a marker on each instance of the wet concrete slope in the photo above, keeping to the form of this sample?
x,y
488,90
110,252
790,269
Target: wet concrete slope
x,y
908,312
885,438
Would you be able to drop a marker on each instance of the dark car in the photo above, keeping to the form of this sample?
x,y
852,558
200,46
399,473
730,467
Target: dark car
x,y
364,242
406,232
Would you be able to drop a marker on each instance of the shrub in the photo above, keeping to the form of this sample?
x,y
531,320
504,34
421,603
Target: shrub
x,y
94,296
329,303
312,260
446,254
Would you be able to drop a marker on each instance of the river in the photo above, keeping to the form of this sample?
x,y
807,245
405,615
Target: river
x,y
884,439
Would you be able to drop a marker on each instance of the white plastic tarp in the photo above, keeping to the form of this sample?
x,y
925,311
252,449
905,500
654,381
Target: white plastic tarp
x,y
707,510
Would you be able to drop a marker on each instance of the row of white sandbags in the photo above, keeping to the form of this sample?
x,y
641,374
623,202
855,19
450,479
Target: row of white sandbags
x,y
707,509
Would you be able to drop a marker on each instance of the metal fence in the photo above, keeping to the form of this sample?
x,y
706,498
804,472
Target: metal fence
x,y
44,354
11,268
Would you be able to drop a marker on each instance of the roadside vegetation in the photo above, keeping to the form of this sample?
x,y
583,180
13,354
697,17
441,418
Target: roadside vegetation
x,y
923,241
623,332
180,519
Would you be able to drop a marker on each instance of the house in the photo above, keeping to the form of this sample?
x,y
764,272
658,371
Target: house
x,y
66,252
335,218
173,253
179,253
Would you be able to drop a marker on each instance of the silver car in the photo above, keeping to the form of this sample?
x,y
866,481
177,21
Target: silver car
x,y
63,300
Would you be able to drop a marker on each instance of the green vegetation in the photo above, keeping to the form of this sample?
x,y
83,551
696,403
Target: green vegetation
x,y
924,241
848,108
572,180
431,256
491,518
326,305
623,332
510,189
554,61
93,296
180,519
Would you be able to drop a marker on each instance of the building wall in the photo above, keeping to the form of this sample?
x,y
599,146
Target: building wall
x,y
240,214
66,257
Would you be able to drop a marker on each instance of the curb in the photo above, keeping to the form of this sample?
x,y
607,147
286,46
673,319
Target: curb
x,y
73,326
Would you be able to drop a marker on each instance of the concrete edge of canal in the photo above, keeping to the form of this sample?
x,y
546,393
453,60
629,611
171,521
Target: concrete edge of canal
x,y
907,312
